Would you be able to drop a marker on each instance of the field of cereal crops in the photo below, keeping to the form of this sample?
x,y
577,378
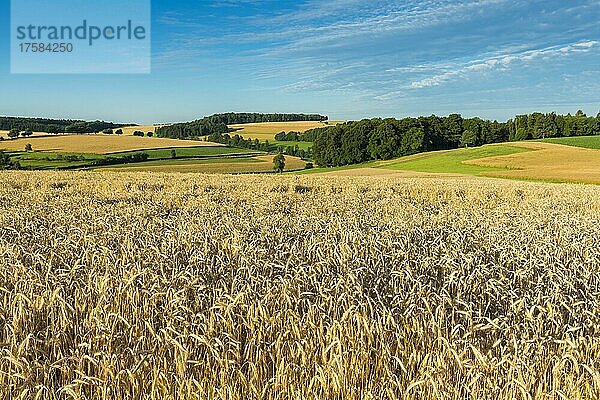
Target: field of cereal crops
x,y
177,286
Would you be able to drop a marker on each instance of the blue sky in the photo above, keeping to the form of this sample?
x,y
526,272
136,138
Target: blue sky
x,y
345,58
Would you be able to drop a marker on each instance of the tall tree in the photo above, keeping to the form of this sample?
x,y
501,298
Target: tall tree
x,y
279,163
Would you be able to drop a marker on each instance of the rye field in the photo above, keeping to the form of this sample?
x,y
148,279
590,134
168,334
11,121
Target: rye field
x,y
188,286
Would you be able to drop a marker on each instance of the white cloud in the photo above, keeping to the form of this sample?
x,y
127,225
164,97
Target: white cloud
x,y
503,62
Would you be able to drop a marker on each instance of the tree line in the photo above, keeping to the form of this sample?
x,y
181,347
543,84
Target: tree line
x,y
539,126
54,125
249,118
383,139
190,130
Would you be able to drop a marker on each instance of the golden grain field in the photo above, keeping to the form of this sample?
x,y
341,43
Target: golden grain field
x,y
98,143
187,286
267,130
548,161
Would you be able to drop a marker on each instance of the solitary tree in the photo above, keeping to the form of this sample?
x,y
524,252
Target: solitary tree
x,y
279,163
26,133
150,134
28,147
119,132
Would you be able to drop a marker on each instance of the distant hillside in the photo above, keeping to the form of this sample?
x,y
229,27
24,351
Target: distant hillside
x,y
55,125
218,123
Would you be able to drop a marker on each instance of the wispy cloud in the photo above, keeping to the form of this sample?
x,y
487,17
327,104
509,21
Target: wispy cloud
x,y
503,62
321,24
385,52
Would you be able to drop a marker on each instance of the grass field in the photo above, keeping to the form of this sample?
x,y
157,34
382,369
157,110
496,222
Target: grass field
x,y
201,151
258,164
61,160
187,286
589,142
267,130
452,161
97,143
45,160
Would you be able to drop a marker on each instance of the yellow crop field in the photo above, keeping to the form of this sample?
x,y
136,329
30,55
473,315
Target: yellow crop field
x,y
256,164
4,134
267,130
97,143
190,286
547,162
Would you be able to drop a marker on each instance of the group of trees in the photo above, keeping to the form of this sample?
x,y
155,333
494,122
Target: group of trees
x,y
7,163
239,142
141,134
122,159
15,133
190,130
54,125
110,131
308,136
382,139
356,142
538,126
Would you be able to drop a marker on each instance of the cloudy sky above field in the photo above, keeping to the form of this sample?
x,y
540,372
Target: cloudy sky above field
x,y
346,58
